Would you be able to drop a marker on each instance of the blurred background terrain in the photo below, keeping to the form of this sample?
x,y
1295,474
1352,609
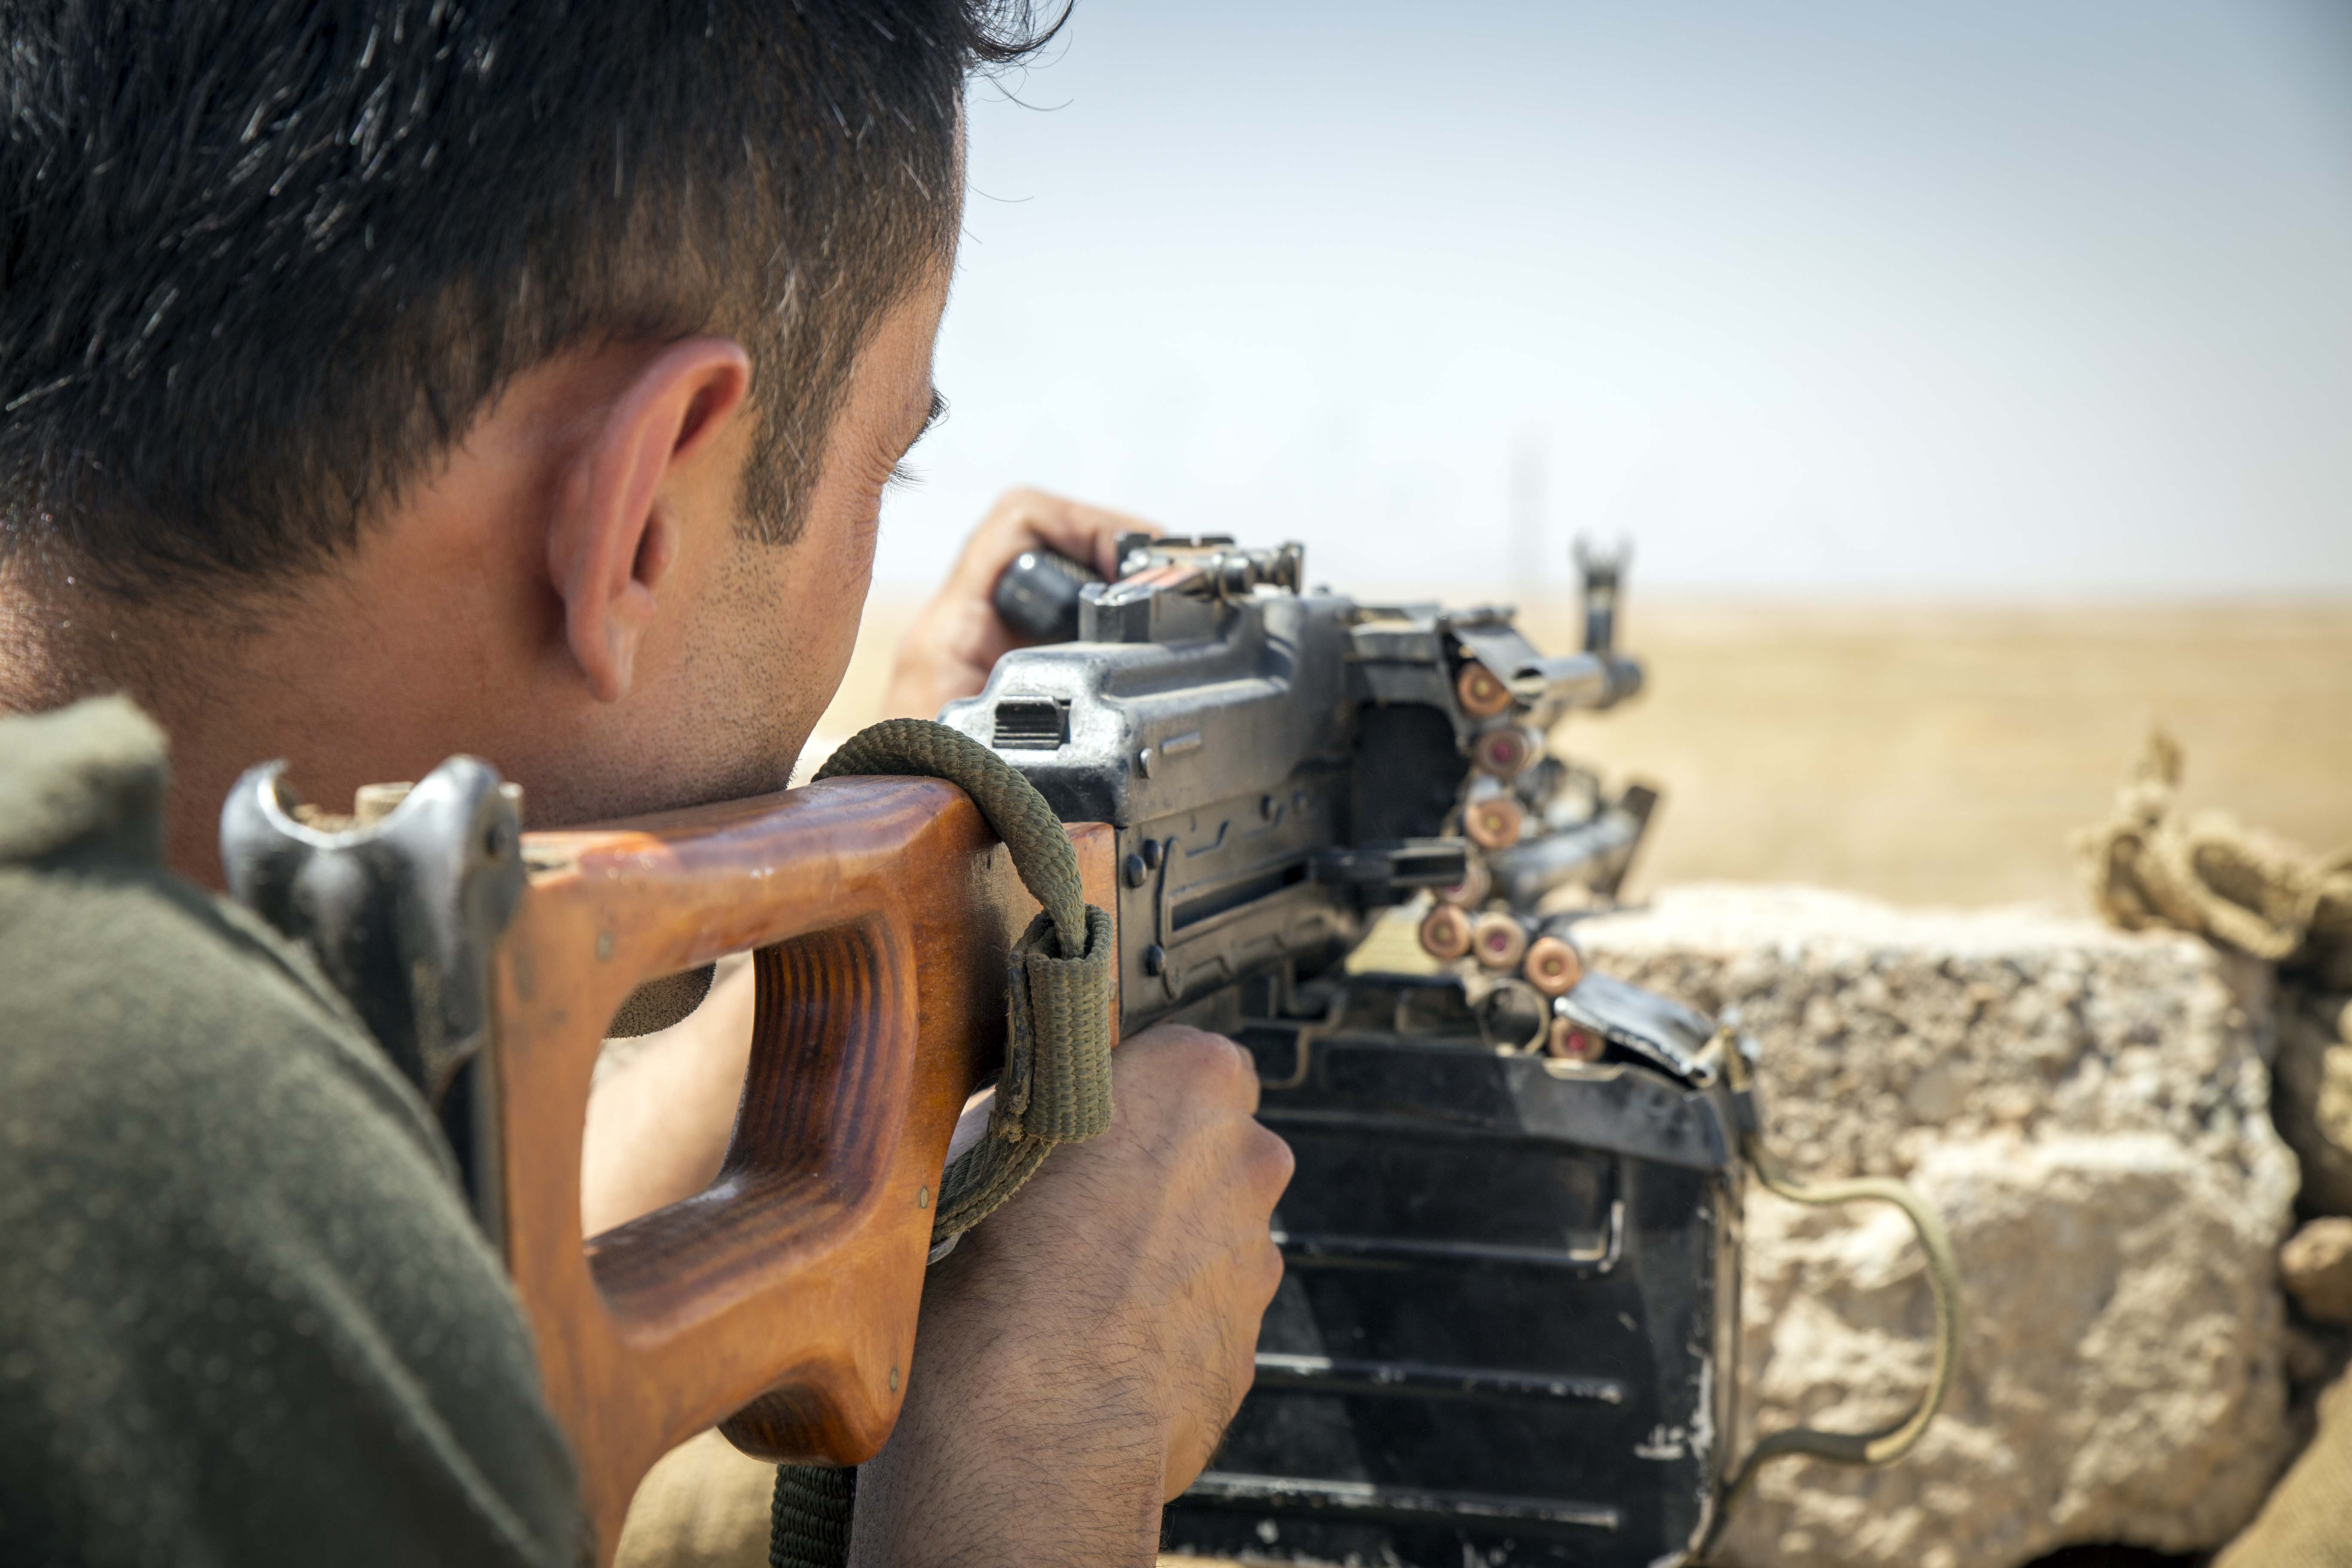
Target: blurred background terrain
x,y
1972,381
1922,752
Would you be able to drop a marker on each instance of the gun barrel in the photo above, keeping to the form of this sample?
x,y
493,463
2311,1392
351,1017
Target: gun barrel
x,y
1578,679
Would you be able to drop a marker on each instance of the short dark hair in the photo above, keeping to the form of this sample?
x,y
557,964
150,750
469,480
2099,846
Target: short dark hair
x,y
261,261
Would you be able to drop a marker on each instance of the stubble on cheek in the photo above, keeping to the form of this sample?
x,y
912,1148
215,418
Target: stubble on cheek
x,y
752,666
787,624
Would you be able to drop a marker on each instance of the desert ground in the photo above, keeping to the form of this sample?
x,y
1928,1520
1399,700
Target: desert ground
x,y
1924,753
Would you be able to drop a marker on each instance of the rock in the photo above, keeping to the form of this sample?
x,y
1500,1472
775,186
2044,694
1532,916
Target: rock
x,y
2316,1269
2313,1101
2089,1109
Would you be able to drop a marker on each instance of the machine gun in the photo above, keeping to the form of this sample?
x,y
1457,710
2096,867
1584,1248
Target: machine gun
x,y
1513,1238
1508,1318
1508,1322
1280,766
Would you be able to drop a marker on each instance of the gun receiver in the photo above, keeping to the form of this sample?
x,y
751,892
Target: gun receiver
x,y
1280,765
1508,1328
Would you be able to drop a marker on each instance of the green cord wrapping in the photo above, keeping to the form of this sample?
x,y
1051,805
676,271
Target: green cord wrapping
x,y
1056,1088
1057,1082
1040,847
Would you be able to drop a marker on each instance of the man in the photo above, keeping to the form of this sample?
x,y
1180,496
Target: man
x,y
382,380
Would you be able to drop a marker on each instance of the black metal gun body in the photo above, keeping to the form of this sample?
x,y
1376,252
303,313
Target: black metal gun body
x,y
1512,1240
1279,765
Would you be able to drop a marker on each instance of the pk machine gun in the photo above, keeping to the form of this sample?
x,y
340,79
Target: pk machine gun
x,y
1509,1321
1281,766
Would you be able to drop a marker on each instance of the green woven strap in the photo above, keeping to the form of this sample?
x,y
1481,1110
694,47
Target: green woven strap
x,y
1040,848
1055,1087
808,1517
1056,1083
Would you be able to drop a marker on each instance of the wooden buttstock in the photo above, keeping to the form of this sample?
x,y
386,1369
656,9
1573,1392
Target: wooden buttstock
x,y
782,1300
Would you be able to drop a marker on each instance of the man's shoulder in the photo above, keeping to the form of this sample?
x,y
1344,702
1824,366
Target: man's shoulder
x,y
243,1303
178,1087
123,987
131,1004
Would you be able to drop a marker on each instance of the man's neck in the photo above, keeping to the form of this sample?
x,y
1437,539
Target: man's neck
x,y
372,672
63,639
40,650
304,673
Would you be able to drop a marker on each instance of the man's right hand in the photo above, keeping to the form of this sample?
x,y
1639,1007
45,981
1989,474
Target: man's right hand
x,y
1081,1351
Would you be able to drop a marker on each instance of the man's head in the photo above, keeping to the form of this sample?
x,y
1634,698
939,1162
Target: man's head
x,y
413,332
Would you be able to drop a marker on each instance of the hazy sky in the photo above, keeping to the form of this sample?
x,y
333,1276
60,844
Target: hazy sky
x,y
2043,297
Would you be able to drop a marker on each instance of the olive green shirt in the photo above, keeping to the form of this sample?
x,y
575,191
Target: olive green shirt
x,y
245,1317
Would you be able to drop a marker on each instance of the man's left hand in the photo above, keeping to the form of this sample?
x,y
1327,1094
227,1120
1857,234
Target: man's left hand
x,y
959,636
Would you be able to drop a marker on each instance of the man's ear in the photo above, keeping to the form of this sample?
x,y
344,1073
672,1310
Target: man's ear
x,y
615,532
